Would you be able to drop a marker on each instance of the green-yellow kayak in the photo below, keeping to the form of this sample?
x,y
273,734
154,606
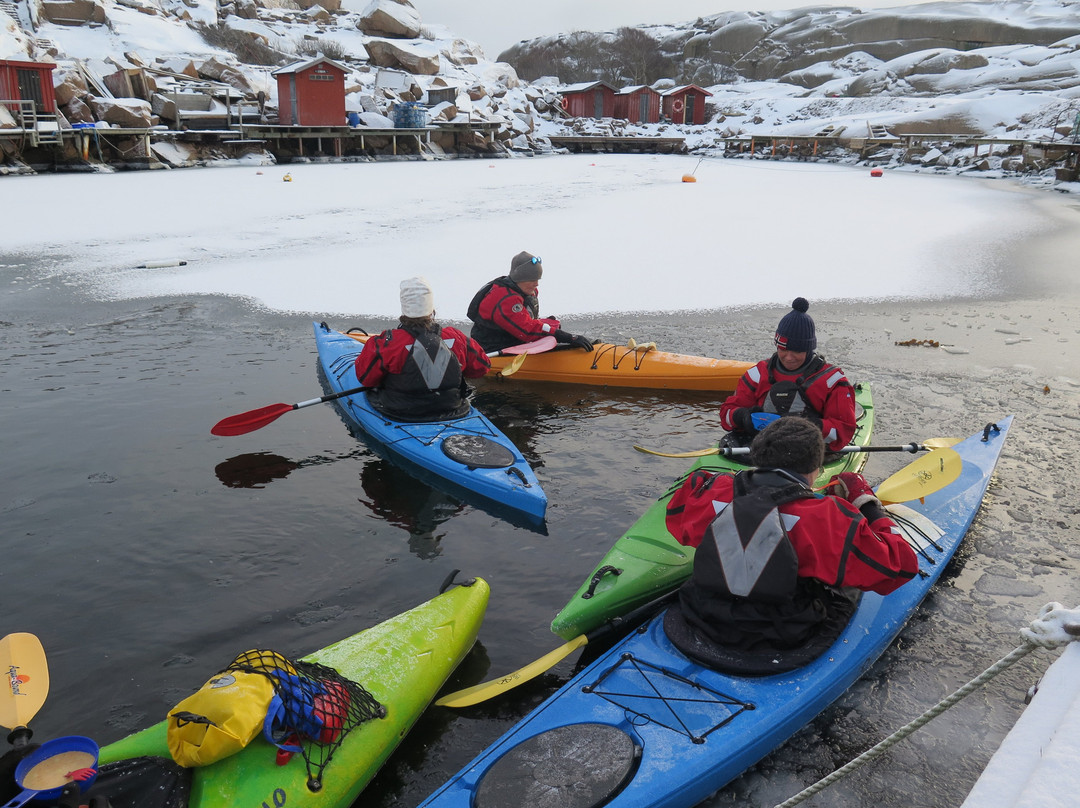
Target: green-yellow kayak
x,y
402,662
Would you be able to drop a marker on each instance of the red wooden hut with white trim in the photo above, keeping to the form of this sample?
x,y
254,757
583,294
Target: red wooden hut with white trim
x,y
640,104
311,93
28,81
685,104
591,99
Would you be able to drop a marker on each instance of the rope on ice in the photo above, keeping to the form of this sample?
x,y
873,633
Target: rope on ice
x,y
1055,626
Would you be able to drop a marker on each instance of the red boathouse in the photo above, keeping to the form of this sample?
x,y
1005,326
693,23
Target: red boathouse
x,y
28,81
686,104
639,104
593,99
311,93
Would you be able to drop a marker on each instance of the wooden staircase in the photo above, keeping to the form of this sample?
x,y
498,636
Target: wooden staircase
x,y
879,132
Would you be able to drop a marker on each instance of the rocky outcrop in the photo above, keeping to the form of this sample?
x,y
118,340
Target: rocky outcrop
x,y
780,44
216,70
414,57
769,45
73,12
126,113
390,19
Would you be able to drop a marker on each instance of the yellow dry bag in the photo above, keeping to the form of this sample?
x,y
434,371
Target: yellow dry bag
x,y
225,714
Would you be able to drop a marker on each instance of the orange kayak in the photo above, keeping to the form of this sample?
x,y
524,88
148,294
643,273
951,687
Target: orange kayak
x,y
626,366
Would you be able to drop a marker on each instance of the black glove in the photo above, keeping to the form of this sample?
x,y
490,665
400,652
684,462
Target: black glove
x,y
582,342
743,418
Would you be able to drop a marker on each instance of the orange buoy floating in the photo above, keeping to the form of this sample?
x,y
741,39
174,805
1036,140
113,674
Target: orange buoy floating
x,y
689,178
877,172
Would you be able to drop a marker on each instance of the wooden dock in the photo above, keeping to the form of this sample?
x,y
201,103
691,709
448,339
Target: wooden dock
x,y
619,145
133,147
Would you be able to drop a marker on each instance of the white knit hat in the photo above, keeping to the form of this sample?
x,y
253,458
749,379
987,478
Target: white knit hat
x,y
416,298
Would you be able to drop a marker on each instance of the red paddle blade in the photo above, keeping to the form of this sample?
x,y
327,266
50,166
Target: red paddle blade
x,y
249,421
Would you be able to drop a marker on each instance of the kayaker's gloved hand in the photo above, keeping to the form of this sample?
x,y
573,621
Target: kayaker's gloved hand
x,y
743,418
566,338
853,487
583,342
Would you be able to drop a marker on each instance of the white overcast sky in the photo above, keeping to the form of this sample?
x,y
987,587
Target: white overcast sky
x,y
498,24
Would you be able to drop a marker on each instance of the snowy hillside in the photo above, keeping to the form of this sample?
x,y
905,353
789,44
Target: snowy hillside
x,y
1006,69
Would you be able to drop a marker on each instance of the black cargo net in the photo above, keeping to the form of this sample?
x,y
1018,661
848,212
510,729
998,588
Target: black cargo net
x,y
654,694
313,710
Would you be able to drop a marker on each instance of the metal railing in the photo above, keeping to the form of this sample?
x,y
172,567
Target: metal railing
x,y
39,128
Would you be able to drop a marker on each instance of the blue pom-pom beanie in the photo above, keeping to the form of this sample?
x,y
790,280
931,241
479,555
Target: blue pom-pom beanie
x,y
796,330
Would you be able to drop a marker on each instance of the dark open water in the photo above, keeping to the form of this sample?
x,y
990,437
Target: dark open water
x,y
145,553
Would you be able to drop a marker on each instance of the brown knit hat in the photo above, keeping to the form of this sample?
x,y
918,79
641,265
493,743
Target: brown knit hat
x,y
791,443
525,267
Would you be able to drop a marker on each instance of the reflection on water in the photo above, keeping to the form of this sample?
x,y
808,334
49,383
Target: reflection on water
x,y
258,469
254,470
405,502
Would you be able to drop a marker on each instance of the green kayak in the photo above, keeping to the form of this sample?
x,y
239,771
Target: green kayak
x,y
402,662
647,562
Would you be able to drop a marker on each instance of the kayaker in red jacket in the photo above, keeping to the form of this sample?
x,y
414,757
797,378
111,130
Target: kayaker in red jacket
x,y
419,368
506,311
773,556
794,381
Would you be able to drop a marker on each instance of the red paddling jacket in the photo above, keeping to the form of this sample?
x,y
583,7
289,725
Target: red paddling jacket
x,y
772,554
420,373
817,389
503,315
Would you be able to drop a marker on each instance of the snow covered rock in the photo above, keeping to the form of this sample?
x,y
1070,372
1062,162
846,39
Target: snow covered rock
x,y
216,70
126,113
331,6
375,120
390,19
68,83
73,12
443,112
421,58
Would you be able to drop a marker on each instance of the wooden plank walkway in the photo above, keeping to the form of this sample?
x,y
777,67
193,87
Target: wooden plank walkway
x,y
604,143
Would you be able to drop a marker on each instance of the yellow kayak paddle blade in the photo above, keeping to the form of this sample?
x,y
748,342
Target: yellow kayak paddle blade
x,y
514,366
487,690
696,453
917,480
26,679
940,443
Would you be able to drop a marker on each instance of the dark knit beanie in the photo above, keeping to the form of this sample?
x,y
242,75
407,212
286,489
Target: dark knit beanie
x,y
790,443
796,330
525,267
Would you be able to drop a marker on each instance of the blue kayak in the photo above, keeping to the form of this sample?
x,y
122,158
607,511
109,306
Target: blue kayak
x,y
468,455
646,726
